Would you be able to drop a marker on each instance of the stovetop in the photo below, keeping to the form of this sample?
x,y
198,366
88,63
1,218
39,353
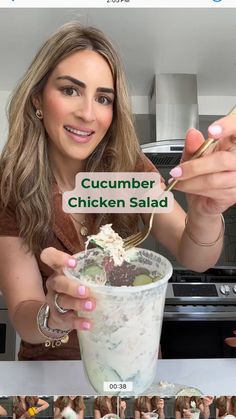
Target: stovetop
x,y
215,286
213,275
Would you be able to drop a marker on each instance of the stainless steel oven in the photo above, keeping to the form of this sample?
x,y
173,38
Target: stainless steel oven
x,y
200,312
7,334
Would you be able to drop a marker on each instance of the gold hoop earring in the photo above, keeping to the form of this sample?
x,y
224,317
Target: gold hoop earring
x,y
39,114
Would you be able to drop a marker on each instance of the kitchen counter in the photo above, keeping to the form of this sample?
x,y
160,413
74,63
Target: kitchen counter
x,y
211,376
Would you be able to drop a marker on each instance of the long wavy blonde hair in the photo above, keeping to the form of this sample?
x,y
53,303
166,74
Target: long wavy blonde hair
x,y
184,402
21,406
77,404
26,176
103,406
221,404
143,403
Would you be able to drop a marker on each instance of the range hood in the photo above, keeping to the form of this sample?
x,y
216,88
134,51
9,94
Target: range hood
x,y
173,108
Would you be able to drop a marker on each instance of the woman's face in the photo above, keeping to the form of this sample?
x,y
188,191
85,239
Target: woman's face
x,y
77,104
72,397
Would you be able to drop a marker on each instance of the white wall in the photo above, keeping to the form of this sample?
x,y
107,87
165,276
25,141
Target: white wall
x,y
4,95
208,105
216,105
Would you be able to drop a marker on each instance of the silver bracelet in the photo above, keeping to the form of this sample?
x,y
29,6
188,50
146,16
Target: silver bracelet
x,y
198,242
51,335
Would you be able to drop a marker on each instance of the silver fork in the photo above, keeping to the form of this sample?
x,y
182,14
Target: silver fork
x,y
138,238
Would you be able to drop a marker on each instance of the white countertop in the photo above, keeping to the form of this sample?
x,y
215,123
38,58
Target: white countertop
x,y
211,376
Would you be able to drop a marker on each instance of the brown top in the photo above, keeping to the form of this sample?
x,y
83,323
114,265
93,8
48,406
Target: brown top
x,y
66,239
21,407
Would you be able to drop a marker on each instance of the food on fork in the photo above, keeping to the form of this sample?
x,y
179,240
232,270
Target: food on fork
x,y
119,268
110,242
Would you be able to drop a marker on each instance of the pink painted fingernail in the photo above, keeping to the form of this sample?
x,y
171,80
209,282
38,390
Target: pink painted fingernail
x,y
215,130
170,180
86,325
71,262
81,290
88,305
234,332
176,172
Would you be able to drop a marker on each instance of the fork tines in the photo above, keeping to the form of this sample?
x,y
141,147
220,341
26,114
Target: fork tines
x,y
134,239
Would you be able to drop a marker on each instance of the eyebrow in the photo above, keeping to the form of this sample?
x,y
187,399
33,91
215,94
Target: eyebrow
x,y
83,85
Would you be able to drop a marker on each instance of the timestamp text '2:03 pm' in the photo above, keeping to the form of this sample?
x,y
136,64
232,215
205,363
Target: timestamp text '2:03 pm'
x,y
118,1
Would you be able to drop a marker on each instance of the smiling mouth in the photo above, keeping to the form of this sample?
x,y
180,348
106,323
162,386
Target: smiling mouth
x,y
78,132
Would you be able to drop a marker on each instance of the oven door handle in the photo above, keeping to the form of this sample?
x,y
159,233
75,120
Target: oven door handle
x,y
188,313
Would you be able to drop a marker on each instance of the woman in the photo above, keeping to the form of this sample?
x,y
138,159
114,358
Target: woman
x,y
28,406
69,407
146,404
70,113
225,405
103,405
184,404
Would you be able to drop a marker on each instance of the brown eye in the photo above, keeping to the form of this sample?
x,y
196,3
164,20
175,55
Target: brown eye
x,y
70,91
104,100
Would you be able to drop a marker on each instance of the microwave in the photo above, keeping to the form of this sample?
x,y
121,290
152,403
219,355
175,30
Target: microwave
x,y
7,334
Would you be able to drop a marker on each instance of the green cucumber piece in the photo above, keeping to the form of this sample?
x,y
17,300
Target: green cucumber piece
x,y
157,278
98,243
142,279
93,270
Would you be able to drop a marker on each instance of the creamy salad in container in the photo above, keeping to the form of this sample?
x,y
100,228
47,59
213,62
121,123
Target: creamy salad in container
x,y
120,351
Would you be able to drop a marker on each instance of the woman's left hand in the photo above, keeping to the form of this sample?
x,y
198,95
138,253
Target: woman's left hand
x,y
231,341
208,400
160,404
211,179
122,405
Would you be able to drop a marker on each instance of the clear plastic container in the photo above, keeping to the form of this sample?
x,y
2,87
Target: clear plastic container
x,y
122,346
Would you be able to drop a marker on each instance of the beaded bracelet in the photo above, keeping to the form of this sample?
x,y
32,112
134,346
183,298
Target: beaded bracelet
x,y
198,242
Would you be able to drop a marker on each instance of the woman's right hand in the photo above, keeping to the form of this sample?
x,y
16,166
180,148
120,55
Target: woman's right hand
x,y
72,295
